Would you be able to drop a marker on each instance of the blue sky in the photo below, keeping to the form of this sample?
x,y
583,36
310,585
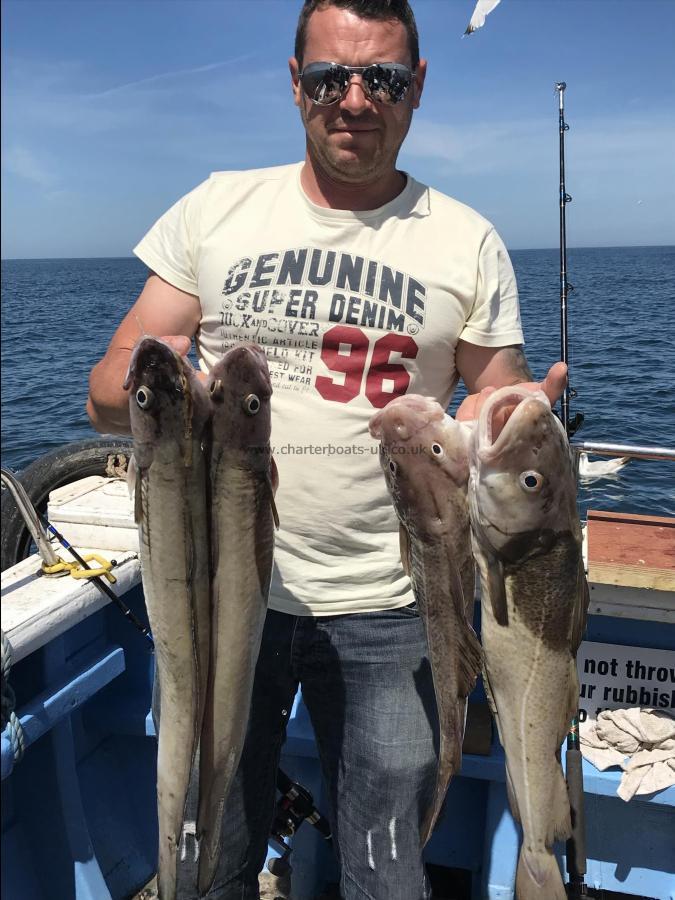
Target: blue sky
x,y
112,109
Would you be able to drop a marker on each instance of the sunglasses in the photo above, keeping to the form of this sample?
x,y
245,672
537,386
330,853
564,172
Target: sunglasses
x,y
327,82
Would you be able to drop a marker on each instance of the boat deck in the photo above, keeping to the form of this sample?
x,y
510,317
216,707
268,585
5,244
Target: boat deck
x,y
631,550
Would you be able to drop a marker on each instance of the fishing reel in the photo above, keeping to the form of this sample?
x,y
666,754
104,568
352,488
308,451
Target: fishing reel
x,y
295,806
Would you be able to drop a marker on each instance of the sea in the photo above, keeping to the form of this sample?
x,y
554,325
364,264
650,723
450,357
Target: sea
x,y
58,316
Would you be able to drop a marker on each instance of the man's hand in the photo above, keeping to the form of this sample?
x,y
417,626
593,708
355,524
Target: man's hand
x,y
553,386
180,343
161,308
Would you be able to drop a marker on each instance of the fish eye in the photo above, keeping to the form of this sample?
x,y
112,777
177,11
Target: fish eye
x,y
531,481
393,468
437,450
216,388
144,397
251,404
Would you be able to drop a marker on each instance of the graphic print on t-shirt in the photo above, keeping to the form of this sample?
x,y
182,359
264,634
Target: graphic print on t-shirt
x,y
332,322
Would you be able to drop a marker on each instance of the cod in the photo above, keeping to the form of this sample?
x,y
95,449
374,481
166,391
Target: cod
x,y
170,411
424,457
242,477
527,544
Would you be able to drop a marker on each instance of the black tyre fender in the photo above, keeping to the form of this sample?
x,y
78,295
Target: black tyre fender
x,y
107,455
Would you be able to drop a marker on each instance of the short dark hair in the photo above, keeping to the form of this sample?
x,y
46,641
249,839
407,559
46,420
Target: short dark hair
x,y
381,10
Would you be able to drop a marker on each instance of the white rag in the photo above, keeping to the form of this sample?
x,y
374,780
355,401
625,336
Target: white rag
x,y
640,740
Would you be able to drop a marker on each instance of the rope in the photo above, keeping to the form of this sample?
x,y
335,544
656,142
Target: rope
x,y
10,721
116,466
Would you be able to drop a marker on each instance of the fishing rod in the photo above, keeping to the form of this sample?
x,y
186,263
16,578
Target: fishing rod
x,y
38,526
295,806
576,844
102,586
571,425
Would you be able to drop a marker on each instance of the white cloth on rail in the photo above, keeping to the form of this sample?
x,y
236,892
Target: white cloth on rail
x,y
639,740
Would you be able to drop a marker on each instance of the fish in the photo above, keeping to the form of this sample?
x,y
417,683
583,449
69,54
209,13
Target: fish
x,y
526,538
424,457
170,412
243,480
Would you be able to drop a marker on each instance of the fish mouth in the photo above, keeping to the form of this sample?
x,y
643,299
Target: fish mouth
x,y
500,414
152,354
404,417
247,362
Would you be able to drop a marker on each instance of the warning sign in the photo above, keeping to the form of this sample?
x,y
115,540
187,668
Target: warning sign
x,y
615,677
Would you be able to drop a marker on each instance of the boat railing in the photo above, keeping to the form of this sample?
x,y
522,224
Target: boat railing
x,y
636,451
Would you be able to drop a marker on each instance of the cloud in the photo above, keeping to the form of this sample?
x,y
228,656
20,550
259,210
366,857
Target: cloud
x,y
165,76
599,145
190,100
24,162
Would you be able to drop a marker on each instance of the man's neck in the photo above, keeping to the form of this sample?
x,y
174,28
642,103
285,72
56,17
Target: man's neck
x,y
331,194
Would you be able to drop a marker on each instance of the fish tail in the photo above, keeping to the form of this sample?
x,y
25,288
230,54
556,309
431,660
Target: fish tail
x,y
538,876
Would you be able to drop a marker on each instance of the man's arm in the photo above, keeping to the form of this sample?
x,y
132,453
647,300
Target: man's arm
x,y
161,310
483,369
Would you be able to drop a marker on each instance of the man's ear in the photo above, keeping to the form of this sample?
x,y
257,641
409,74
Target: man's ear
x,y
418,82
295,80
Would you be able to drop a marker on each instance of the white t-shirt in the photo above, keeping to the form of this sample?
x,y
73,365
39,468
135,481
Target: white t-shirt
x,y
352,309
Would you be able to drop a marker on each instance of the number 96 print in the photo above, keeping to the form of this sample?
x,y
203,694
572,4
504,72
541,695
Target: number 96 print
x,y
345,351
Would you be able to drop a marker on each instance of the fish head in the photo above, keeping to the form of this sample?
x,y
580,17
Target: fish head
x,y
522,482
240,388
161,384
424,457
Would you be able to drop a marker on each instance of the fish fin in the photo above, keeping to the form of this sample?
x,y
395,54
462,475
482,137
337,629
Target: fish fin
x,y
470,662
275,514
404,544
274,475
471,652
131,475
273,484
580,609
491,702
497,590
511,794
138,495
273,506
491,571
571,708
560,826
538,876
489,694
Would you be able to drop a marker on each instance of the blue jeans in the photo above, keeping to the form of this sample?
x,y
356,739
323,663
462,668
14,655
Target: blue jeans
x,y
366,682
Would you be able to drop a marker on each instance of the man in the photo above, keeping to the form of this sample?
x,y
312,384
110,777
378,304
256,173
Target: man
x,y
361,284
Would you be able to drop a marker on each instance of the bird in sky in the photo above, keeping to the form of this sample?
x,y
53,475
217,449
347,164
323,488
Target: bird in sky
x,y
483,9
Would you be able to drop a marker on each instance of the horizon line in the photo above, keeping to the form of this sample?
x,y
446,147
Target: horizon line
x,y
510,249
